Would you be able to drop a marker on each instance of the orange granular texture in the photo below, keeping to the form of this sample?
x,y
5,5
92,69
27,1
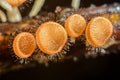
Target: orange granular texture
x,y
24,45
1,38
98,31
51,37
75,25
15,2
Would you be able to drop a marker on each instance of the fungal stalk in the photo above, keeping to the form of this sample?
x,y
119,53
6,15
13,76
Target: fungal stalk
x,y
4,4
2,16
75,4
36,7
13,13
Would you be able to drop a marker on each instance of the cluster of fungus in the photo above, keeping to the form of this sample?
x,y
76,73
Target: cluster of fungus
x,y
51,37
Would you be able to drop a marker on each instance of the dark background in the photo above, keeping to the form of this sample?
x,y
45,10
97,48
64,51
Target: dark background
x,y
104,67
50,5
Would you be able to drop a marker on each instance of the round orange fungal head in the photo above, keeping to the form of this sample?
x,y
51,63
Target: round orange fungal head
x,y
98,31
24,45
51,37
15,2
75,25
1,38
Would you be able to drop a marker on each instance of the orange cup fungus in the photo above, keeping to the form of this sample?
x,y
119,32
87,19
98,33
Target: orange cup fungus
x,y
1,38
15,2
98,31
24,45
51,37
75,25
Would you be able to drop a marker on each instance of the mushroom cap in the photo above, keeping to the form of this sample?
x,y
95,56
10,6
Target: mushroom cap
x,y
98,31
15,2
24,45
75,25
51,37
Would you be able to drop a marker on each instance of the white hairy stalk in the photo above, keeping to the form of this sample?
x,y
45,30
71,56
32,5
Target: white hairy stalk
x,y
36,7
2,16
75,4
4,4
14,15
